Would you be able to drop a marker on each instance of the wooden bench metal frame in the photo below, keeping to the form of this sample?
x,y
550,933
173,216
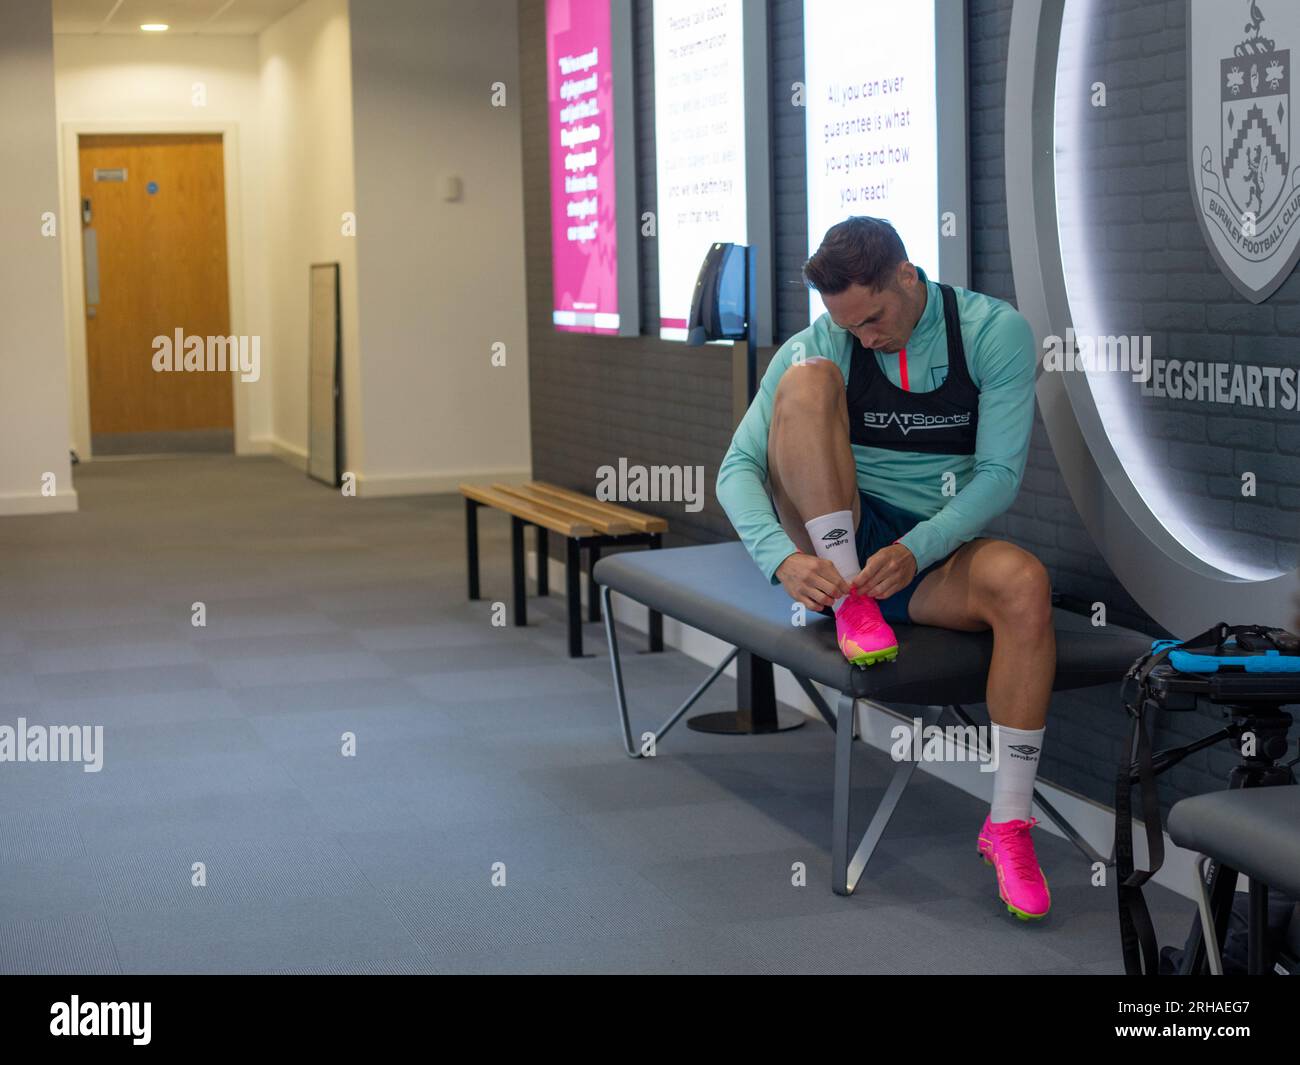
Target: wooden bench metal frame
x,y
585,523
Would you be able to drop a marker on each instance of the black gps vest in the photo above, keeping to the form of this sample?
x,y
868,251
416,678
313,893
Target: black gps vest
x,y
942,421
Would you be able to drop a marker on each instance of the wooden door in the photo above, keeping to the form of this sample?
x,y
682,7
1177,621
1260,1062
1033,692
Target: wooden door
x,y
157,206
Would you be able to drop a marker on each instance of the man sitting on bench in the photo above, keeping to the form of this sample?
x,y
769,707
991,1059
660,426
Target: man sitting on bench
x,y
890,432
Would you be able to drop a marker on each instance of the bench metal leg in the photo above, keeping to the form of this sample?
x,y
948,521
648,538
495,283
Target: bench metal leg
x,y
845,871
810,690
1219,885
471,545
517,569
840,803
757,712
620,696
1209,935
543,562
573,595
593,599
1257,927
756,692
656,618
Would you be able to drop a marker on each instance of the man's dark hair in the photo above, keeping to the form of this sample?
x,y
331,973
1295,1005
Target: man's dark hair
x,y
858,251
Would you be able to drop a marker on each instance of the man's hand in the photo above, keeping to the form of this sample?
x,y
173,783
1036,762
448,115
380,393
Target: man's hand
x,y
889,570
812,581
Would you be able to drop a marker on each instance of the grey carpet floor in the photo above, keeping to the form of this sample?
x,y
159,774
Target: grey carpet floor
x,y
488,821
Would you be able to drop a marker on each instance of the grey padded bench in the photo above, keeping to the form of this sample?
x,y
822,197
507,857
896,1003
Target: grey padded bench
x,y
1255,831
717,589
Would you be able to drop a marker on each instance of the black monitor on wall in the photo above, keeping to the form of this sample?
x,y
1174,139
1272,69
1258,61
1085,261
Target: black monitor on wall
x,y
718,307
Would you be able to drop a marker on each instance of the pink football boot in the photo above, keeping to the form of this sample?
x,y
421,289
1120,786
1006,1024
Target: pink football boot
x,y
1006,846
864,635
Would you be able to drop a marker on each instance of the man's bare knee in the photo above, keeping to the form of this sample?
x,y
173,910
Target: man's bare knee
x,y
1013,587
815,383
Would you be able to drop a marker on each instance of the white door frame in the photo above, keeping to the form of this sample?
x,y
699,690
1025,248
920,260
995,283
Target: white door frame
x,y
74,292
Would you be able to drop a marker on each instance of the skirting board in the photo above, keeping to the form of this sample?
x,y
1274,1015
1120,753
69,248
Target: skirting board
x,y
372,486
289,453
1096,823
20,503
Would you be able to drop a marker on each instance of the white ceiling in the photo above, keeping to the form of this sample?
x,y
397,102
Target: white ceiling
x,y
183,16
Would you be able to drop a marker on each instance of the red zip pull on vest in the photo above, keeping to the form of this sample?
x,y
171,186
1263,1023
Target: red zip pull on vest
x,y
902,369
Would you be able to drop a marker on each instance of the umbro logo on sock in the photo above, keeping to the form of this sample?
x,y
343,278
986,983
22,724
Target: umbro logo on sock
x,y
1024,749
835,534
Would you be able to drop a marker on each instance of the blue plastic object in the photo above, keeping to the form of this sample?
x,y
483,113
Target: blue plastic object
x,y
1271,661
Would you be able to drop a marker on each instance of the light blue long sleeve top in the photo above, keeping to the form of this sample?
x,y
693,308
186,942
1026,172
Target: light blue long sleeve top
x,y
1001,356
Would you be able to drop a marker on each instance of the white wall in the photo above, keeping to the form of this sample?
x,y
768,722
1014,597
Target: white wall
x,y
146,83
34,433
306,112
439,282
428,287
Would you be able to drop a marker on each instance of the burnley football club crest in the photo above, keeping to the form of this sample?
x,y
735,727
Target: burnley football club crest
x,y
1246,186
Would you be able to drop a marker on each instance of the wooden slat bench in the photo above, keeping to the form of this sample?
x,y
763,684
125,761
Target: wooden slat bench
x,y
583,521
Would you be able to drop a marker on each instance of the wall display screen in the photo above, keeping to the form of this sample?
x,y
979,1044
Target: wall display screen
x,y
873,124
580,83
699,142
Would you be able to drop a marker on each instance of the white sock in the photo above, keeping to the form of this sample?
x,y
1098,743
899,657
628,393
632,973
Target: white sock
x,y
1013,781
832,538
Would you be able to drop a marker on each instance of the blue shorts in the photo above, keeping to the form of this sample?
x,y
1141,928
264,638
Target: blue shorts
x,y
882,524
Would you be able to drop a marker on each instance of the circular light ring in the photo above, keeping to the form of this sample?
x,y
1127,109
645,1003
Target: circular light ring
x,y
1179,589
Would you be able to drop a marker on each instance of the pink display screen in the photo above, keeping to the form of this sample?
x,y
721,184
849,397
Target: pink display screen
x,y
580,102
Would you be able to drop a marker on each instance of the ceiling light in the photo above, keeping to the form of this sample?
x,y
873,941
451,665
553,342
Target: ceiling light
x,y
153,27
